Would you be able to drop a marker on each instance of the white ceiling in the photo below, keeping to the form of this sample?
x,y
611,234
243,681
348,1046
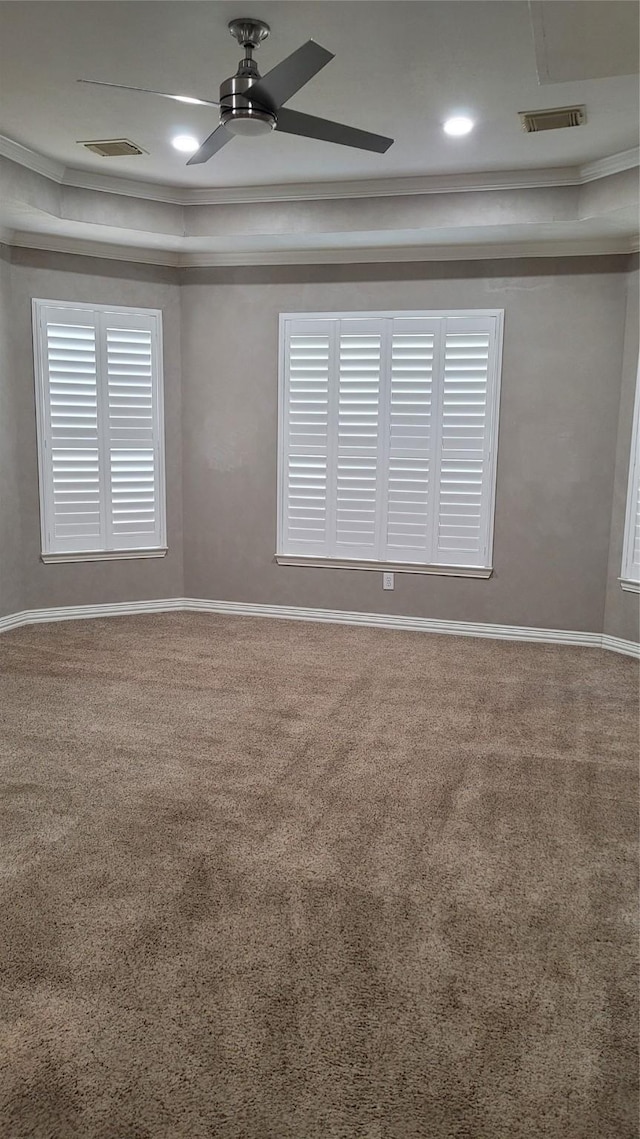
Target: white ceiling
x,y
577,42
400,69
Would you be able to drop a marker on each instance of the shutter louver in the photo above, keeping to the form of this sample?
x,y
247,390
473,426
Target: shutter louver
x,y
99,429
388,426
357,441
307,437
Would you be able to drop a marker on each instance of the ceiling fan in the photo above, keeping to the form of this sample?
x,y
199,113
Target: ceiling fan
x,y
250,104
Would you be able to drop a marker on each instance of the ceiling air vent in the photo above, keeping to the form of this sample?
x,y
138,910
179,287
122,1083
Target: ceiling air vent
x,y
112,147
553,119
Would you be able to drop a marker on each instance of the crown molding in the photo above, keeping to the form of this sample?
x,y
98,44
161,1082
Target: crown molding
x,y
317,191
614,164
396,254
55,243
24,156
322,191
127,187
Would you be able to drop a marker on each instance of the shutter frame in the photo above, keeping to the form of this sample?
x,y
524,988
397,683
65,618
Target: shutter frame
x,y
427,440
54,545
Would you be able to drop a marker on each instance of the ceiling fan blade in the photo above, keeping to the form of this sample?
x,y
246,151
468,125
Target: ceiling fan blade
x,y
147,91
287,77
293,122
211,145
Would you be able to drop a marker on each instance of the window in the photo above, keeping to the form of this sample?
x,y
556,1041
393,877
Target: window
x,y
388,430
98,372
631,550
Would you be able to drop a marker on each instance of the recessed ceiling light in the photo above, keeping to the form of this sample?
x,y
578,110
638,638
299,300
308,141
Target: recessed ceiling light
x,y
185,142
458,125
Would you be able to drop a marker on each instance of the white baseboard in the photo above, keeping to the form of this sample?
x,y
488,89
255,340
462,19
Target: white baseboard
x,y
331,616
81,612
618,645
388,621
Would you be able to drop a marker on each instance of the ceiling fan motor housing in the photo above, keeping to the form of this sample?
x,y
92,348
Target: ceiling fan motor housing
x,y
239,114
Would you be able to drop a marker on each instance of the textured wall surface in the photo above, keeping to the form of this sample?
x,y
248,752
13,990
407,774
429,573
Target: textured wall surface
x,y
564,434
622,611
62,277
11,578
564,332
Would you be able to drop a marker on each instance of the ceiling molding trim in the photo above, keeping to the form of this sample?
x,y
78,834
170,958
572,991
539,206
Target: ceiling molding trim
x,y
339,256
127,187
318,191
322,191
614,164
31,159
389,254
55,243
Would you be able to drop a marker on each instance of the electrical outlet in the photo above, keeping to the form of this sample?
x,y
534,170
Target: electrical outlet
x,y
387,581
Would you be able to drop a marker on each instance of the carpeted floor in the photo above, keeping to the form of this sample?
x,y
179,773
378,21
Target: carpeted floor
x,y
270,880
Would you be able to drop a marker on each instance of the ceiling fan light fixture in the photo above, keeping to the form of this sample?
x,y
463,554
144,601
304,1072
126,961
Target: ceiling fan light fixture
x,y
249,123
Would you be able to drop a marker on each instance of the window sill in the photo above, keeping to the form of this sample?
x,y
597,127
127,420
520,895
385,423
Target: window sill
x,y
629,586
380,567
104,555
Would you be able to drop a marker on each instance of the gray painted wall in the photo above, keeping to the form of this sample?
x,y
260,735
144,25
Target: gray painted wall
x,y
564,329
622,611
11,581
565,352
65,277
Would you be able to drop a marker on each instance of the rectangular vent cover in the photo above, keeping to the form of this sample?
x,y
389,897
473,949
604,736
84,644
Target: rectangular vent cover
x,y
553,119
112,147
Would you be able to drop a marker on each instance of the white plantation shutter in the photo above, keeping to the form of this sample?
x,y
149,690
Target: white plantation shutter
x,y
415,344
100,435
133,494
70,458
306,433
464,472
388,433
631,550
357,443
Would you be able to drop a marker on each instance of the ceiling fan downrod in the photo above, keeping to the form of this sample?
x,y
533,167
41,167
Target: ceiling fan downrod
x,y
240,115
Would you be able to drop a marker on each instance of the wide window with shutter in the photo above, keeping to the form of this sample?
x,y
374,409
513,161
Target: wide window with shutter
x,y
98,374
387,438
630,576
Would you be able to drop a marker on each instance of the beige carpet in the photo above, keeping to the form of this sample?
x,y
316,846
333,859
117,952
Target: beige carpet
x,y
269,880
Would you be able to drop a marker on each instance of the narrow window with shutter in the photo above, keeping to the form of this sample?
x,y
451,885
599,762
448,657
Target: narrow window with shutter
x,y
98,373
630,576
388,430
